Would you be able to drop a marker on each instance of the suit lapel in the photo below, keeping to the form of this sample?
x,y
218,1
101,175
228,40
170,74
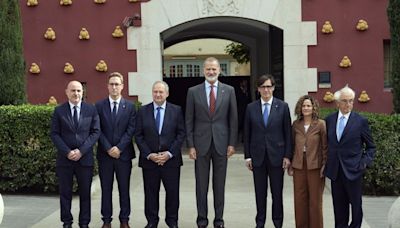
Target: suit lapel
x,y
69,116
150,112
259,115
273,110
121,110
203,96
107,110
348,126
220,96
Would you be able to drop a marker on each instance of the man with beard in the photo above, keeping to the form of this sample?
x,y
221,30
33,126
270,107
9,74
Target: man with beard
x,y
211,125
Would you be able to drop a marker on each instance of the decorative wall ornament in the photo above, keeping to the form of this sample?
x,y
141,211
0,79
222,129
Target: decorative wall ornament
x,y
118,33
84,34
328,97
99,1
65,2
50,34
327,28
345,63
101,66
32,3
52,101
220,7
34,69
364,98
133,0
68,68
362,25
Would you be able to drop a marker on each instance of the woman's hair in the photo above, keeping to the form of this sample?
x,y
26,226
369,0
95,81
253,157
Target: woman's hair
x,y
299,105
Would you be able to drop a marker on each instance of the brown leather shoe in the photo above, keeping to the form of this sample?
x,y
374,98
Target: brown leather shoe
x,y
125,225
106,225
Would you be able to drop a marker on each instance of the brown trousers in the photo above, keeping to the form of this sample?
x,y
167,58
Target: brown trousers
x,y
308,190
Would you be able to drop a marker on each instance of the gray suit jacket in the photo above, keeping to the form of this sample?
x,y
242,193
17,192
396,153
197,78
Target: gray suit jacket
x,y
202,128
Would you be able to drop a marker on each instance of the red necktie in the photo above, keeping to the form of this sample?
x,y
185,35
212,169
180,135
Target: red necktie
x,y
212,100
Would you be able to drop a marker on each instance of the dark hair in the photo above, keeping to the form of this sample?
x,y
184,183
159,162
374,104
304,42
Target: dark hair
x,y
264,78
299,105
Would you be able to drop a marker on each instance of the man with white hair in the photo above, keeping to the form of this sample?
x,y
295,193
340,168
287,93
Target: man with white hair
x,y
350,150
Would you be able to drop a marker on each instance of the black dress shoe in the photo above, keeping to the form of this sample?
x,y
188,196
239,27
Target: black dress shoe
x,y
219,226
173,226
83,226
201,226
149,225
67,226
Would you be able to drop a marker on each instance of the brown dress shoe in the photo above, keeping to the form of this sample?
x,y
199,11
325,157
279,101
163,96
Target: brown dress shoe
x,y
106,225
125,225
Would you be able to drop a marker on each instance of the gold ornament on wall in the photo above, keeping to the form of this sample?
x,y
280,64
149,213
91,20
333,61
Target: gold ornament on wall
x,y
32,3
65,2
34,69
68,68
52,101
84,34
328,97
118,33
99,1
50,34
345,63
362,25
133,0
101,66
327,28
364,98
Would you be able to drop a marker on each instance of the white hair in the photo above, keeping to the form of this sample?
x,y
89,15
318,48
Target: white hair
x,y
346,90
163,83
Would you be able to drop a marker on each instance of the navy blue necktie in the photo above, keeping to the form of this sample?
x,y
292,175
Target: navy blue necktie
x,y
114,112
75,117
266,114
158,119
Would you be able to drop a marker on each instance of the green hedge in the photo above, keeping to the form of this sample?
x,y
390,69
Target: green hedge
x,y
27,155
383,178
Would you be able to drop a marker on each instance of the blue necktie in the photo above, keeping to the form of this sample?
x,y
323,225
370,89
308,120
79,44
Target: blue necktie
x,y
340,127
114,112
265,114
75,117
158,119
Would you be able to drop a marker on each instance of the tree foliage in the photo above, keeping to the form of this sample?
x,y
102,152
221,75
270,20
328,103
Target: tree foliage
x,y
12,67
393,12
240,52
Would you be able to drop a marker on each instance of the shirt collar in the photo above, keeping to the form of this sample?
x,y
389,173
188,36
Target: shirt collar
x,y
208,84
155,106
345,116
71,106
269,102
112,101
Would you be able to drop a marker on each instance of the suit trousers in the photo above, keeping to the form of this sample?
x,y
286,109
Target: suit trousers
x,y
202,173
84,175
344,193
152,178
308,190
122,169
275,175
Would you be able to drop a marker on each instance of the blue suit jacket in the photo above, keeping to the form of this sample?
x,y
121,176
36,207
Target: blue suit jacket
x,y
275,139
355,150
121,133
66,137
171,138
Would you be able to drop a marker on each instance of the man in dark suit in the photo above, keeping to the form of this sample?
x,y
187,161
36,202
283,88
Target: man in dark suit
x,y
268,148
115,150
160,132
75,128
350,150
211,124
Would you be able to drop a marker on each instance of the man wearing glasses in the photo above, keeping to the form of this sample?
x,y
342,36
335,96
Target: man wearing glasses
x,y
350,150
115,150
268,148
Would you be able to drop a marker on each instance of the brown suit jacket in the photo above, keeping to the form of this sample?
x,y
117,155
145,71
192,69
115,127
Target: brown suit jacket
x,y
315,142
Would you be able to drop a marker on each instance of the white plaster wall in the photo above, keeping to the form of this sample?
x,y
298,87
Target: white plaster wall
x,y
159,15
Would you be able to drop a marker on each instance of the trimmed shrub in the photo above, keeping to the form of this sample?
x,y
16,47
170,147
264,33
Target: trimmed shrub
x,y
383,178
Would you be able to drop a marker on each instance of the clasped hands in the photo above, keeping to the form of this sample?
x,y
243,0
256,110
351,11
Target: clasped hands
x,y
114,152
160,158
74,155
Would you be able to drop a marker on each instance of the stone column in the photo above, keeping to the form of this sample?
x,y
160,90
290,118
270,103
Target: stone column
x,y
394,214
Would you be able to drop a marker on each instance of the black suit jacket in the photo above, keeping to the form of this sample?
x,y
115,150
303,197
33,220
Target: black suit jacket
x,y
275,139
171,138
121,133
66,137
355,150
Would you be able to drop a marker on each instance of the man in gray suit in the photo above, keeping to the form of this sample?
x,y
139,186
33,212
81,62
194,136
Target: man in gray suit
x,y
211,125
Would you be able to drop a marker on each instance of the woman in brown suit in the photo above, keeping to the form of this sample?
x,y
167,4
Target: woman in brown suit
x,y
309,157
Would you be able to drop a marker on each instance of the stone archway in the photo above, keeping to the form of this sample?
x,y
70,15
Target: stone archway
x,y
158,16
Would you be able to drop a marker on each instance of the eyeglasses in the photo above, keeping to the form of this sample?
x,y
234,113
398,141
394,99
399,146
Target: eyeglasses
x,y
266,87
350,101
114,84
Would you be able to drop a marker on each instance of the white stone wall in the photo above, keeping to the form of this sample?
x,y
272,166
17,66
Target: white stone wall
x,y
159,15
